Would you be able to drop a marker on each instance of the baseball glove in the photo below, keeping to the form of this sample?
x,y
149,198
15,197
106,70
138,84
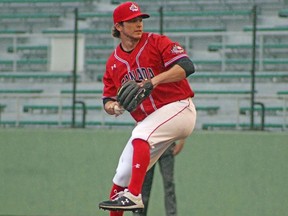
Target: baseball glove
x,y
131,94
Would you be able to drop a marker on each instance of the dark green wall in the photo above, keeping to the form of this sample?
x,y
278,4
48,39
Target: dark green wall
x,y
68,172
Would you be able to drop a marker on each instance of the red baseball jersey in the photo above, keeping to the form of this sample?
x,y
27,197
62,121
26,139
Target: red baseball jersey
x,y
153,55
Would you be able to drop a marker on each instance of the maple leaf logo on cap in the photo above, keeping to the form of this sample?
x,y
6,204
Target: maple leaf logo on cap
x,y
128,11
133,8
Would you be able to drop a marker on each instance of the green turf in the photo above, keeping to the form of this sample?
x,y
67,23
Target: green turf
x,y
68,172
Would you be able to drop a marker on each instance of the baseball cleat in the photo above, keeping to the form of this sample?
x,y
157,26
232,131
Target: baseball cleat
x,y
124,201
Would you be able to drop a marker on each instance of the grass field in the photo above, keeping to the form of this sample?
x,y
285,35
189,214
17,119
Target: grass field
x,y
68,172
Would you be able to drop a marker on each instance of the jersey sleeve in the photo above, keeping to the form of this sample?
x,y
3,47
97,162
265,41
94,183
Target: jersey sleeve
x,y
171,51
110,89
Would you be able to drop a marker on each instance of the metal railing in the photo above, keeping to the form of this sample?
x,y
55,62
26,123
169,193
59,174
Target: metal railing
x,y
229,111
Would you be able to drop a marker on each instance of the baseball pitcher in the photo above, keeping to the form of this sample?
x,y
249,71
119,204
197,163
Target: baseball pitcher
x,y
145,76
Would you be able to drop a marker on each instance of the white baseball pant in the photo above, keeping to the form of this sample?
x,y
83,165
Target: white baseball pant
x,y
160,129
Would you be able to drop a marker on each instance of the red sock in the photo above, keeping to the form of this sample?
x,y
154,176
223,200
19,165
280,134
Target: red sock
x,y
116,189
140,162
116,213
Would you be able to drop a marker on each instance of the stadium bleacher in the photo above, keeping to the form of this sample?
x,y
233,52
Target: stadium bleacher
x,y
215,33
12,31
283,12
36,76
282,92
55,108
21,91
245,47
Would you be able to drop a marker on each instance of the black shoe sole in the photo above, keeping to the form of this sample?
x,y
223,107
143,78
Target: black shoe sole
x,y
120,209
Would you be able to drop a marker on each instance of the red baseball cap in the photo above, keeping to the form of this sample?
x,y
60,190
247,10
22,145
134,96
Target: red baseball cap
x,y
127,11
